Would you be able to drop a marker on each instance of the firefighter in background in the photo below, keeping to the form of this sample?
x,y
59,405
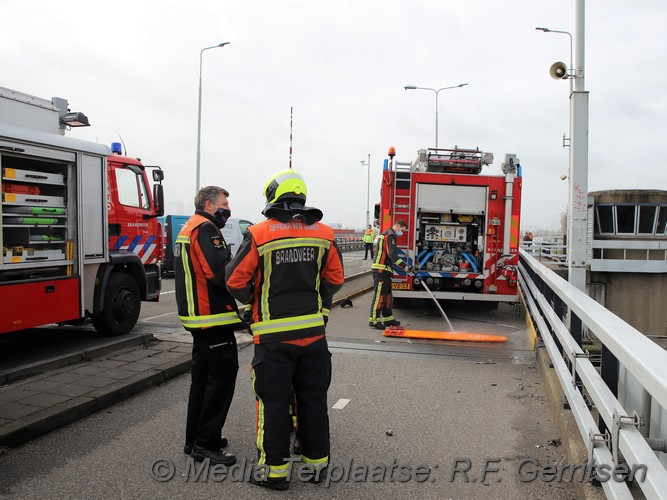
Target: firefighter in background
x,y
209,312
289,267
369,237
386,257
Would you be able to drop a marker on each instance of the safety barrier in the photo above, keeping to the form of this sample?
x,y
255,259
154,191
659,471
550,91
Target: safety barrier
x,y
547,251
629,392
352,243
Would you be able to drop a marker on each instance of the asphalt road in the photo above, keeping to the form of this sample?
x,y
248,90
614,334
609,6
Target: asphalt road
x,y
429,407
38,344
164,312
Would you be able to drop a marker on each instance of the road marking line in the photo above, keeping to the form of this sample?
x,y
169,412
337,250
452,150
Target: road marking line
x,y
158,316
340,404
165,293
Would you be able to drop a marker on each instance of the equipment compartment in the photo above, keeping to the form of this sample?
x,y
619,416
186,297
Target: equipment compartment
x,y
35,177
34,215
33,199
14,256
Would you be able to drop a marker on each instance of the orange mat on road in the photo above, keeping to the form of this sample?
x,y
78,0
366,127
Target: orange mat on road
x,y
462,336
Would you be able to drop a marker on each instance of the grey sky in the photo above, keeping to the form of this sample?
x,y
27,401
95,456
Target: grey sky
x,y
133,67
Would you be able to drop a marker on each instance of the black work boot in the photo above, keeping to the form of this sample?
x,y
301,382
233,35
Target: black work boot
x,y
320,475
277,483
220,457
224,442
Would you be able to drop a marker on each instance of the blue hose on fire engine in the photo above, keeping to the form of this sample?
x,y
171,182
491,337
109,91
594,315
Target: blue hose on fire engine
x,y
472,260
426,257
422,253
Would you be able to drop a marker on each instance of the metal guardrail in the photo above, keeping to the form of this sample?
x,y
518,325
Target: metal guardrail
x,y
622,433
349,244
546,251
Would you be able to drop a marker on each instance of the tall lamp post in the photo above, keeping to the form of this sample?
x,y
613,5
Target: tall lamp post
x,y
201,54
577,222
412,87
368,191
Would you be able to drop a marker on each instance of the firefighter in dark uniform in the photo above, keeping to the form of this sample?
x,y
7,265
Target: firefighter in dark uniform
x,y
386,257
326,309
209,312
289,267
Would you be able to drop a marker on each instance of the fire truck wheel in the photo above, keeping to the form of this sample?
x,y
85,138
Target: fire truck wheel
x,y
121,308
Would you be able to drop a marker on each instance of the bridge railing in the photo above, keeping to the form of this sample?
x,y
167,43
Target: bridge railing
x,y
349,243
546,251
614,433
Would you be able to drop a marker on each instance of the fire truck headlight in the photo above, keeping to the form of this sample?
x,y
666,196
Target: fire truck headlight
x,y
467,282
478,284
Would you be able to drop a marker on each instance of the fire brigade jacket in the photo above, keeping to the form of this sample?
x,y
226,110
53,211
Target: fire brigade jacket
x,y
289,271
200,256
386,254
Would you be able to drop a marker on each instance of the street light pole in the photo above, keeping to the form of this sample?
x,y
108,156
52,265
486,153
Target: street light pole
x,y
577,217
577,223
201,54
412,87
368,191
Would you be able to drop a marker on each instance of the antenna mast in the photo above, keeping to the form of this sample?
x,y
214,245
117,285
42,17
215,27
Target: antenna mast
x,y
290,136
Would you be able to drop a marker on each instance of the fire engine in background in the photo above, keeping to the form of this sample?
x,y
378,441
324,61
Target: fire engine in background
x,y
78,223
463,227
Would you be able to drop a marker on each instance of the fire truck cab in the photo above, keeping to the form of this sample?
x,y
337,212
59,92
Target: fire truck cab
x,y
463,227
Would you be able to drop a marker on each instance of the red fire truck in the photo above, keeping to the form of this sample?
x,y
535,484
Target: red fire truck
x,y
463,227
78,223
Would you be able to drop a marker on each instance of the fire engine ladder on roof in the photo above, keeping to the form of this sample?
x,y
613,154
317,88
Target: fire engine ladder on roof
x,y
400,203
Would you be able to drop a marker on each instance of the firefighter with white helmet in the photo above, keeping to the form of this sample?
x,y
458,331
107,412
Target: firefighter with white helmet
x,y
288,267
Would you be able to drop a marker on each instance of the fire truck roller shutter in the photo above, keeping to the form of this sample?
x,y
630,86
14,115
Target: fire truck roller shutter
x,y
470,200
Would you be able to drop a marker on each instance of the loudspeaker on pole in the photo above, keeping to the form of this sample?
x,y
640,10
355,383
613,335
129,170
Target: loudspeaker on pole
x,y
558,71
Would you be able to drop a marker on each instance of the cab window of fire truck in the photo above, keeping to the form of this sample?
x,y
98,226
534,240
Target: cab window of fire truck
x,y
132,191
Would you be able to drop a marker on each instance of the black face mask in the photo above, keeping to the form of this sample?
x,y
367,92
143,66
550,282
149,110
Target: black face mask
x,y
222,215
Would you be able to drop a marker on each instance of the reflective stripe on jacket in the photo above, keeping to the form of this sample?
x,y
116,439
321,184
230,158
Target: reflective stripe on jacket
x,y
386,253
369,236
200,256
288,271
